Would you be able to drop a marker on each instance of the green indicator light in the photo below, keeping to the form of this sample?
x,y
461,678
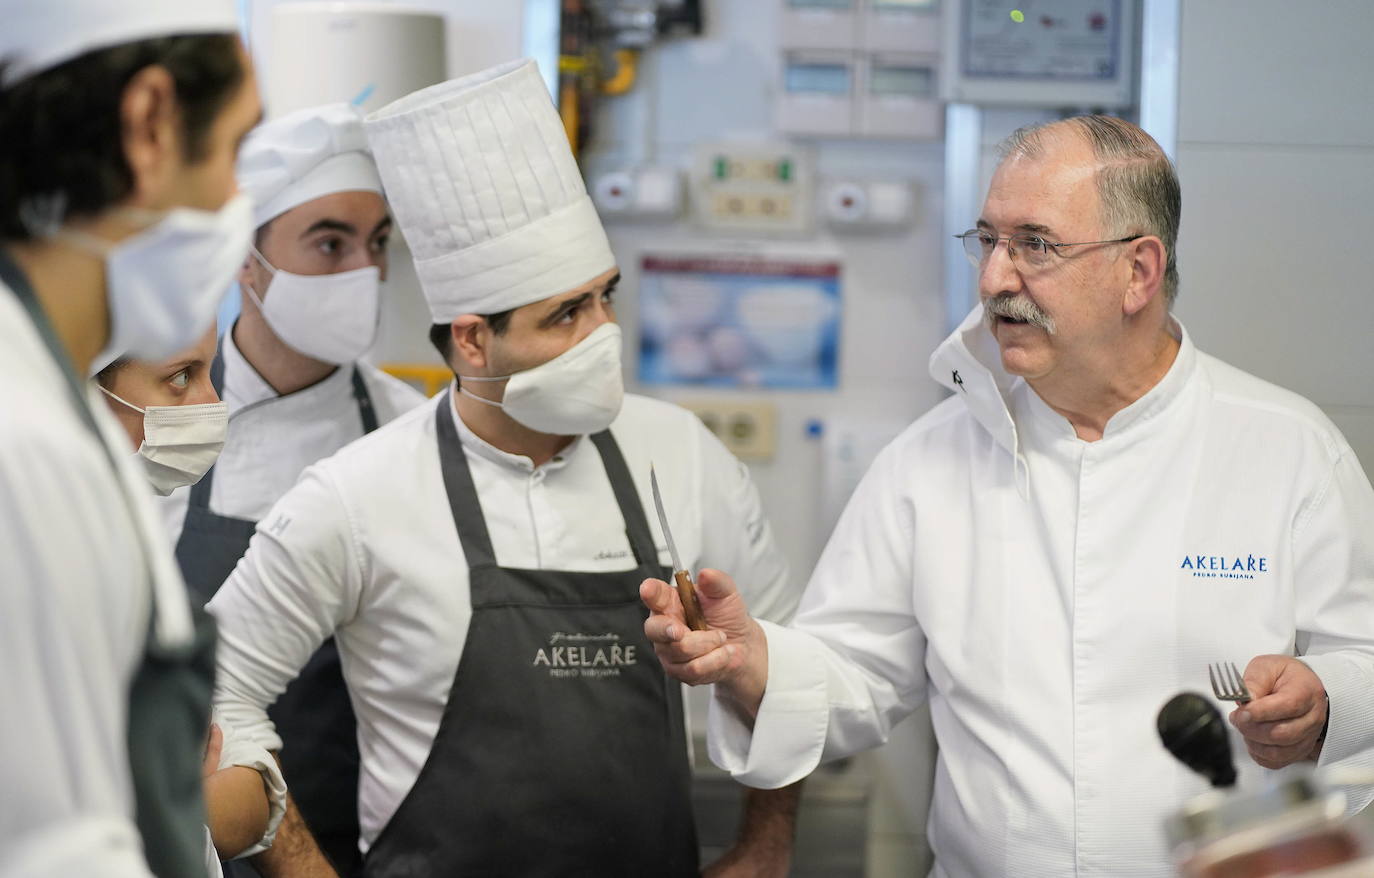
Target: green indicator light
x,y
1018,16
722,168
784,170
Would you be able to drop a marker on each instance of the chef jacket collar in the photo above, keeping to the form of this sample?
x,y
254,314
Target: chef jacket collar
x,y
517,462
241,381
1040,423
1159,398
244,387
969,363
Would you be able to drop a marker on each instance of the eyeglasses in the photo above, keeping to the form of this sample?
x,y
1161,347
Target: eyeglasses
x,y
1030,250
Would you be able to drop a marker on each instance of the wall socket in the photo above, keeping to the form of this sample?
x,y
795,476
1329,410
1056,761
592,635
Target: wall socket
x,y
748,429
748,187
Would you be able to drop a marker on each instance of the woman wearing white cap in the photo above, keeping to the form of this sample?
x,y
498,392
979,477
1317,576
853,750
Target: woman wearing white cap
x,y
176,424
289,372
119,230
478,561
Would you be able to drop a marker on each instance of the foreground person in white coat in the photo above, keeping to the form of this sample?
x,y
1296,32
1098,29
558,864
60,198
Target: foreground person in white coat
x,y
478,560
290,374
119,229
1051,554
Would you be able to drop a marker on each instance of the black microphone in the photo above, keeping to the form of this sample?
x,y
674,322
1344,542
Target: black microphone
x,y
1193,730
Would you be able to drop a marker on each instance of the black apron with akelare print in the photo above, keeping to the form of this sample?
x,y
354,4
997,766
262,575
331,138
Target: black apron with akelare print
x,y
562,749
314,717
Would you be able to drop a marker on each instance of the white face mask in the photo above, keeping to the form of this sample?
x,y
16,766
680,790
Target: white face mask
x,y
180,442
331,317
165,282
577,392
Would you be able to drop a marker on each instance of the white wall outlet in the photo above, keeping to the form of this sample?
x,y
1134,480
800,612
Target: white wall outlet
x,y
639,193
755,188
868,204
748,429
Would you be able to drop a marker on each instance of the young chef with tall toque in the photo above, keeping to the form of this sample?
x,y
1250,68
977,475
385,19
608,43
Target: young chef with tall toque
x,y
477,561
288,369
119,231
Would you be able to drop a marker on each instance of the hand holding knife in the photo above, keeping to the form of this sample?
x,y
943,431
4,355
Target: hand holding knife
x,y
686,590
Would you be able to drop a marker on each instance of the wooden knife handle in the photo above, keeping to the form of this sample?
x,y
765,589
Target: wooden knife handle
x,y
691,610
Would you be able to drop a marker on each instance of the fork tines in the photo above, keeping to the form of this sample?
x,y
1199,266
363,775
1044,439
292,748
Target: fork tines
x,y
1227,682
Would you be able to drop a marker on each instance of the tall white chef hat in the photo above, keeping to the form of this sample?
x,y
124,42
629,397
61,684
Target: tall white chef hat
x,y
306,155
37,35
484,187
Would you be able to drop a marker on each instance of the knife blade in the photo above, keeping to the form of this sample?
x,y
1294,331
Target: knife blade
x,y
686,589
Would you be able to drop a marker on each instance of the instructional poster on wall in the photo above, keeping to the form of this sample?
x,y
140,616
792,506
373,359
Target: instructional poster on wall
x,y
756,322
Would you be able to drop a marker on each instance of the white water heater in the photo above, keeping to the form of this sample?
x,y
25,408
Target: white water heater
x,y
365,54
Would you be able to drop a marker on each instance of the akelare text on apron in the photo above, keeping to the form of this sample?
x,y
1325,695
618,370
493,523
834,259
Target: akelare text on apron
x,y
585,655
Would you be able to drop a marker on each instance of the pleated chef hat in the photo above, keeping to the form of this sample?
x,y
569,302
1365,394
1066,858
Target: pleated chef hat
x,y
37,35
306,155
483,185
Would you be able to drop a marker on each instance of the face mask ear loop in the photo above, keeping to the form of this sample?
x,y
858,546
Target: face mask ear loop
x,y
262,260
97,246
121,400
84,241
470,395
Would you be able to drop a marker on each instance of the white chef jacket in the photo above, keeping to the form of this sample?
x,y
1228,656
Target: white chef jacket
x,y
1048,595
364,548
273,438
74,570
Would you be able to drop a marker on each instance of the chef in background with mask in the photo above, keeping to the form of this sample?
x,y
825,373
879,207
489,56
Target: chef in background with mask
x,y
478,561
120,228
296,391
171,411
176,424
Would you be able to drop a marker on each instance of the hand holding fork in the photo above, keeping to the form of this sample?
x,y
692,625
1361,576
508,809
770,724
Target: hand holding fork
x,y
1281,708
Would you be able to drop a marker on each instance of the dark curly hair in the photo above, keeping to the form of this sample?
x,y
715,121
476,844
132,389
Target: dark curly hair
x,y
61,149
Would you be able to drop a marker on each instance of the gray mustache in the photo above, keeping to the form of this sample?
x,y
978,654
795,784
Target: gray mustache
x,y
1018,308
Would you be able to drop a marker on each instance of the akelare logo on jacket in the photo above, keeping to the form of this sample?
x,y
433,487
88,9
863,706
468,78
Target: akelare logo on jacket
x,y
1225,566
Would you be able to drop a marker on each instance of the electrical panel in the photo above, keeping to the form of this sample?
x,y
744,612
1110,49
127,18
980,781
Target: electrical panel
x,y
860,69
820,24
898,98
753,188
1066,53
911,26
817,94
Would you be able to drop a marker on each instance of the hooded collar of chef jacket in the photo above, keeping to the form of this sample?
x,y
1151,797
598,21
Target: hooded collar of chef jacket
x,y
483,448
969,363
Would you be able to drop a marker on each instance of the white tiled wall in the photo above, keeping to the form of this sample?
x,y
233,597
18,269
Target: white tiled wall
x,y
1276,157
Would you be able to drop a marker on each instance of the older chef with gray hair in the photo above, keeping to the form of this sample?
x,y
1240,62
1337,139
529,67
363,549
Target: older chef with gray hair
x,y
1098,511
478,560
289,371
119,231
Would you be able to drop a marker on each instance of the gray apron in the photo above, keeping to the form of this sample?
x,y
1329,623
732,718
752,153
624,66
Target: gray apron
x,y
169,699
319,756
562,749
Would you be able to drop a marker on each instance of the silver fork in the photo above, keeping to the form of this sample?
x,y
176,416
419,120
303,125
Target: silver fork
x,y
1227,682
